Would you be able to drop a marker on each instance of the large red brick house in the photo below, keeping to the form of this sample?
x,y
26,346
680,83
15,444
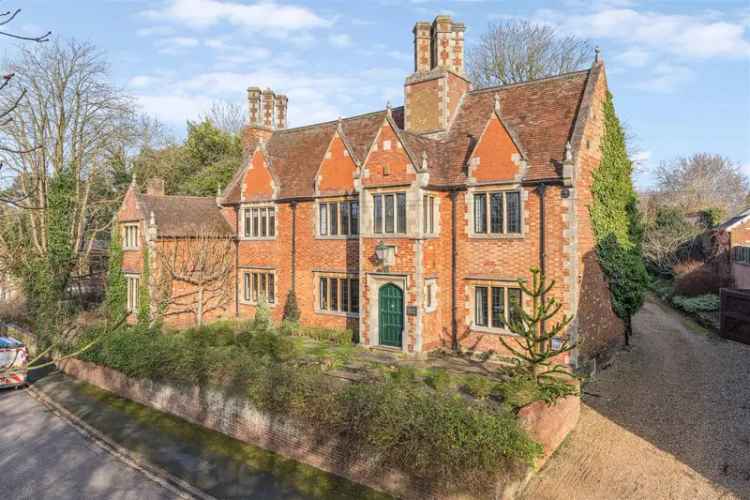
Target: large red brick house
x,y
409,224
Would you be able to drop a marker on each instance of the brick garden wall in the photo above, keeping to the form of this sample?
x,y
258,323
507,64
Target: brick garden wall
x,y
235,417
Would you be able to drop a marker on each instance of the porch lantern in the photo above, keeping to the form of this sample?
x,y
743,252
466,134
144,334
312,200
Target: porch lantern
x,y
385,255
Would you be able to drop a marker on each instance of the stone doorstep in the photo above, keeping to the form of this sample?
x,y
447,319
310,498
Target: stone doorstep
x,y
548,425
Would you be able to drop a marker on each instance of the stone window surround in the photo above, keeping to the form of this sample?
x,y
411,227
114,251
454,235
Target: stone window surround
x,y
374,282
316,292
413,206
259,269
335,199
470,304
494,188
125,227
263,204
430,285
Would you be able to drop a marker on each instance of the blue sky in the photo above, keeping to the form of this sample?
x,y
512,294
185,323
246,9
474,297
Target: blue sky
x,y
679,70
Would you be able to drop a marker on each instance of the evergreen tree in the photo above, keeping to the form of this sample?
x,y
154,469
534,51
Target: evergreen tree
x,y
291,309
144,292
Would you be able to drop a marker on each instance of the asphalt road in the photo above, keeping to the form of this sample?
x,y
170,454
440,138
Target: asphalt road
x,y
42,456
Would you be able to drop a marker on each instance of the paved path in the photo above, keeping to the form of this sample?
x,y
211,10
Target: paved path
x,y
42,456
669,420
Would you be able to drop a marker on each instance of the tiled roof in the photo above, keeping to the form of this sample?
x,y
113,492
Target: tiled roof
x,y
184,215
541,116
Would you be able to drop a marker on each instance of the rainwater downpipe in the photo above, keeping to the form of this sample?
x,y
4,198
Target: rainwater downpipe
x,y
294,246
454,325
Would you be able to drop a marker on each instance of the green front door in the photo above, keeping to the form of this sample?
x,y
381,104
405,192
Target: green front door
x,y
391,306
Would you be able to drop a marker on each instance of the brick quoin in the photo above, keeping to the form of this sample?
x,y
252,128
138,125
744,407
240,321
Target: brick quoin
x,y
446,144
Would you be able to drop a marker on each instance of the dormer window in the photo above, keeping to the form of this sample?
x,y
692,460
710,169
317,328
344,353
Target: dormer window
x,y
259,222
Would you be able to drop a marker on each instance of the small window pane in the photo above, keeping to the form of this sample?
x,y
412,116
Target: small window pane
x,y
344,294
263,286
246,286
498,307
255,287
480,213
389,213
248,223
354,294
480,306
425,214
432,215
344,210
264,222
401,199
377,202
271,290
256,224
272,221
513,211
514,303
428,292
355,217
334,219
496,213
323,294
323,219
334,294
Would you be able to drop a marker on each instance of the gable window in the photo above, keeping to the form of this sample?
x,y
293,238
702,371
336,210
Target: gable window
x,y
430,295
257,285
428,214
338,218
496,305
497,213
260,222
130,238
389,213
338,294
133,285
742,255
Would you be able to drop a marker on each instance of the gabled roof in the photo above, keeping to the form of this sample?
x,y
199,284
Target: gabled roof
x,y
735,221
177,216
541,116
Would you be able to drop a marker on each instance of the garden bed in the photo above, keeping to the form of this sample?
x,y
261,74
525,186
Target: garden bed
x,y
410,431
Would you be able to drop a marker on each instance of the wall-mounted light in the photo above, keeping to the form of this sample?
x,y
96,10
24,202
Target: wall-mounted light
x,y
385,255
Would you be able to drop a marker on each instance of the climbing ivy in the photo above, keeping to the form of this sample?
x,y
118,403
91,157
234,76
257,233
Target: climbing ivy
x,y
616,221
144,295
116,300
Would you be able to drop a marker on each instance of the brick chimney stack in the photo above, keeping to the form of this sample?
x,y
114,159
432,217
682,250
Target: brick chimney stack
x,y
267,111
434,90
155,186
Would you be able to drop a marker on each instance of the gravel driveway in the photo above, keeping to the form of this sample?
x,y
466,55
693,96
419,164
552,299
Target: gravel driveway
x,y
43,456
669,419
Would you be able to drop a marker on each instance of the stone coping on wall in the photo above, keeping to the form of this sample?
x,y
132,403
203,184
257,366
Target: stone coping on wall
x,y
235,417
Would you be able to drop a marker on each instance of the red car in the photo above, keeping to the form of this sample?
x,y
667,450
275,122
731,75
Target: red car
x,y
13,362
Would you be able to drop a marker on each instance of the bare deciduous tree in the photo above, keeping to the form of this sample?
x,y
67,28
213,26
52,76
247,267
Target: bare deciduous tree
x,y
194,274
69,117
227,116
515,51
702,181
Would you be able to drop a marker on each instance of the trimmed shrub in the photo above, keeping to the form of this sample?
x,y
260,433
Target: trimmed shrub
x,y
702,303
478,386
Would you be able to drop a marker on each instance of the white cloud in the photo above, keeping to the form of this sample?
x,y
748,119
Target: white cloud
x,y
634,57
697,36
176,44
155,31
341,40
664,78
142,81
313,97
258,16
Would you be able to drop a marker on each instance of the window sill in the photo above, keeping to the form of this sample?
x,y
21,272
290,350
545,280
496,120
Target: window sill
x,y
255,304
266,238
502,236
130,249
337,313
